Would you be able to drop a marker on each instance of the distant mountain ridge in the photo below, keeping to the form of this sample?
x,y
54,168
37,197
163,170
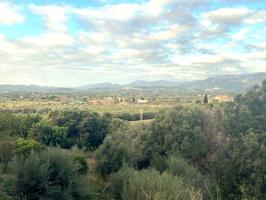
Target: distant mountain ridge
x,y
228,83
224,83
7,88
105,85
150,84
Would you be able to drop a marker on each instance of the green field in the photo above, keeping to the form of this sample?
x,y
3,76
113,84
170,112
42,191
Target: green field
x,y
39,106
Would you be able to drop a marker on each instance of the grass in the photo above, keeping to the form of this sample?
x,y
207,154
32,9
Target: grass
x,y
141,122
96,184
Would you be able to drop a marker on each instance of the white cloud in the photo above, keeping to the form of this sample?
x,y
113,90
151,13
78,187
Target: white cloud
x,y
10,14
50,39
260,46
54,17
227,16
94,50
241,34
257,17
120,12
168,34
260,55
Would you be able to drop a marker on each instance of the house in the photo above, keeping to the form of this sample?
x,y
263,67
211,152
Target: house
x,y
223,98
142,101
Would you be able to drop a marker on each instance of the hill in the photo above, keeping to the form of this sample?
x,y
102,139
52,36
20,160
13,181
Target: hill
x,y
153,84
105,85
227,83
31,89
224,83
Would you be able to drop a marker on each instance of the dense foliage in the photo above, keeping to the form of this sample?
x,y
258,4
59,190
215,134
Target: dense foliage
x,y
130,184
195,151
51,174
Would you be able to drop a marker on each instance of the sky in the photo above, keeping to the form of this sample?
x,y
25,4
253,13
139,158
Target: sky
x,y
71,43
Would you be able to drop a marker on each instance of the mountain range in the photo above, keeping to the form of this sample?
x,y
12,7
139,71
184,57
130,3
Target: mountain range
x,y
224,83
31,89
227,83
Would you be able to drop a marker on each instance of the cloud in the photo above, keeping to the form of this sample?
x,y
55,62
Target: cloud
x,y
54,17
257,17
10,14
154,39
120,12
228,16
50,39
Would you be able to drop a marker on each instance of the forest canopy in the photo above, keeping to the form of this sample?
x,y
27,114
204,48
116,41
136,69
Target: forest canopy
x,y
194,151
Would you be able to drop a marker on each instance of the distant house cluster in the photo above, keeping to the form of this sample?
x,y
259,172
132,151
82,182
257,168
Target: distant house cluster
x,y
104,101
223,98
142,101
120,100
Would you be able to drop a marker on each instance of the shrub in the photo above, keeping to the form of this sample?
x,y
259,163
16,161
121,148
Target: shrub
x,y
25,147
111,155
49,134
81,160
240,167
6,153
177,130
129,184
178,166
50,174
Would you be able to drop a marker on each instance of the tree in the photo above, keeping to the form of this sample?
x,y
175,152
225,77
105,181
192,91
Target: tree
x,y
49,134
26,123
264,85
50,174
69,119
113,153
205,100
6,153
25,147
85,129
247,113
93,130
240,167
9,124
177,130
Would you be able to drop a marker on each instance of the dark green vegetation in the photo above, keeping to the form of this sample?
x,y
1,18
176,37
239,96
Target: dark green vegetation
x,y
193,151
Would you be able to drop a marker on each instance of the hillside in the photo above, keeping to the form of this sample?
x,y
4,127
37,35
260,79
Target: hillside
x,y
228,83
224,83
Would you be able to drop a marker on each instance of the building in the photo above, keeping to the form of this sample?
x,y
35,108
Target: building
x,y
104,101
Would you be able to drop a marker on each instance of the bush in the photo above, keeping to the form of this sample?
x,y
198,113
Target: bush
x,y
178,166
26,123
85,129
9,124
113,153
129,184
240,167
177,131
49,134
6,153
246,113
81,160
25,147
93,130
50,174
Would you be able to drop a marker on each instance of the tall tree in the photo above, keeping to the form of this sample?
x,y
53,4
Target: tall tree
x,y
205,99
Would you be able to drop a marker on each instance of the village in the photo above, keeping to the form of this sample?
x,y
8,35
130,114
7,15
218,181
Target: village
x,y
147,100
